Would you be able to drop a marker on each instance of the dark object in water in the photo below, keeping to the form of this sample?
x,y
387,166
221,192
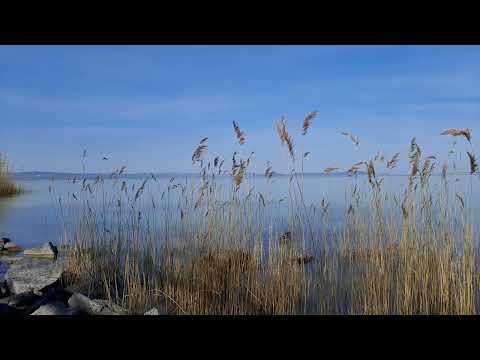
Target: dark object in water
x,y
305,259
4,240
285,238
226,261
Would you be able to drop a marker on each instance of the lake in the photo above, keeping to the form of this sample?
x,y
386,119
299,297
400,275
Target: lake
x,y
32,219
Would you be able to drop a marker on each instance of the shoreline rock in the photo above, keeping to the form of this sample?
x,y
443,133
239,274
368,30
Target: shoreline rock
x,y
31,285
152,311
47,250
30,274
54,308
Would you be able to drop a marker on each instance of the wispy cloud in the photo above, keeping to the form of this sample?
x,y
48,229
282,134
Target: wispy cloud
x,y
119,106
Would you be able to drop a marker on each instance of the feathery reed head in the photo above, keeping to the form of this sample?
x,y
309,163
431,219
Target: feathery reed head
x,y
268,171
427,170
473,163
466,133
285,137
308,121
239,174
415,154
355,140
370,172
199,151
329,170
352,171
393,162
240,134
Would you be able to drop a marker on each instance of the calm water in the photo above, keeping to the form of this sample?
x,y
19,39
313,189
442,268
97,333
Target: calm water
x,y
31,219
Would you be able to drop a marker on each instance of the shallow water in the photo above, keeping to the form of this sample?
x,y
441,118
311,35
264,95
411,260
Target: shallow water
x,y
32,219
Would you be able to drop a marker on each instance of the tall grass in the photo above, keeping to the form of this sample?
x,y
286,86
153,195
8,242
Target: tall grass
x,y
7,186
206,246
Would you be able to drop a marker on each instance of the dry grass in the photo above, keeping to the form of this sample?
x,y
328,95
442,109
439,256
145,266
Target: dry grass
x,y
207,248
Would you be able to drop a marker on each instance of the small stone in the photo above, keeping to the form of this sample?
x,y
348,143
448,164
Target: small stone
x,y
152,311
47,250
53,308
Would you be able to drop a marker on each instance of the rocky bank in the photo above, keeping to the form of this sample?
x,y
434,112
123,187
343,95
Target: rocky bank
x,y
30,284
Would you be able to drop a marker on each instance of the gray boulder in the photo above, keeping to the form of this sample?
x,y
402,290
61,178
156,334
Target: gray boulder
x,y
84,304
30,274
53,308
47,250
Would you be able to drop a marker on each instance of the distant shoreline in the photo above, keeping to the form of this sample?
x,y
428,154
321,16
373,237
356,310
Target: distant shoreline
x,y
40,175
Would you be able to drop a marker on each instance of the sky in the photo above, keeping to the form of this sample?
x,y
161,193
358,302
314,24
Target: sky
x,y
147,107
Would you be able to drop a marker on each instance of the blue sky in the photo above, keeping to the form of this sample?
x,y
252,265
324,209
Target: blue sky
x,y
147,107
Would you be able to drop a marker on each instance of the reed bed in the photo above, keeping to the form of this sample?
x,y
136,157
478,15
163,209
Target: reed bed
x,y
207,246
7,186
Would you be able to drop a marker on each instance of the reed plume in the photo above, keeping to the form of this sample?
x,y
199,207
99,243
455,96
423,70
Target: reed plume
x,y
393,162
308,121
352,171
473,163
466,133
268,171
355,140
427,170
199,151
240,134
329,170
239,174
371,172
415,154
285,137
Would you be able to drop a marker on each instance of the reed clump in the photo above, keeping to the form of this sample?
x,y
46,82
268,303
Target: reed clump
x,y
7,186
214,245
